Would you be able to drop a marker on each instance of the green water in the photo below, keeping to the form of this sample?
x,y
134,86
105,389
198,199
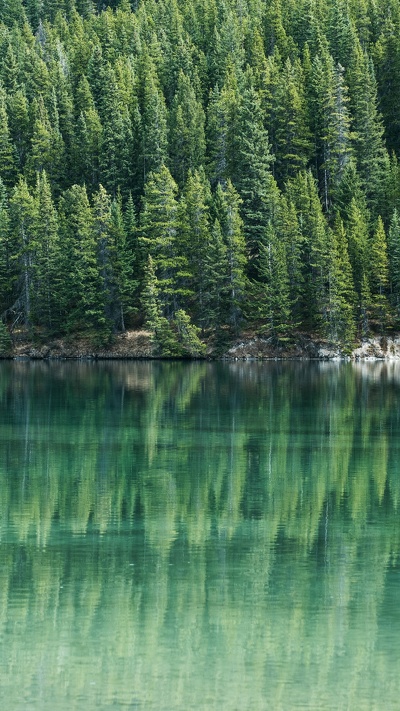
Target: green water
x,y
178,536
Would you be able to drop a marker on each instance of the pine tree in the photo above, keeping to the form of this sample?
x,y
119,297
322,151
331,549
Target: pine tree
x,y
106,255
342,297
8,255
387,62
379,274
221,124
394,261
82,298
250,171
357,232
152,150
19,126
125,277
216,299
272,290
188,335
371,155
22,213
47,277
293,146
5,340
117,139
288,230
227,206
186,134
159,230
302,192
331,125
195,225
164,340
47,149
86,150
7,166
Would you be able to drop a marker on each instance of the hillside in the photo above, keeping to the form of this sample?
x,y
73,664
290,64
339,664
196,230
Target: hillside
x,y
199,169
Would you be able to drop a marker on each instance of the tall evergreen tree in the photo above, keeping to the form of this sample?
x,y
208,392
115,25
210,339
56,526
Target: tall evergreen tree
x,y
394,262
159,232
250,171
379,274
186,132
83,299
227,207
195,226
48,276
272,290
22,214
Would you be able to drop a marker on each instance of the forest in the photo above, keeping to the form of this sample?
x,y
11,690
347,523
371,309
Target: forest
x,y
200,169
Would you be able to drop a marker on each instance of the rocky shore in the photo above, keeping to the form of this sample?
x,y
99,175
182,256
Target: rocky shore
x,y
137,344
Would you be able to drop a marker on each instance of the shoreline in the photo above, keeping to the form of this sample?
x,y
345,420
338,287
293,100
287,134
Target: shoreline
x,y
136,345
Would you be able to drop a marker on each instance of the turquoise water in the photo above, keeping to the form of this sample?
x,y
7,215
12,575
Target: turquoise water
x,y
178,536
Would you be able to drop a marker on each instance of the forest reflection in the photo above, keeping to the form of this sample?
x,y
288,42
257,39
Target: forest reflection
x,y
186,514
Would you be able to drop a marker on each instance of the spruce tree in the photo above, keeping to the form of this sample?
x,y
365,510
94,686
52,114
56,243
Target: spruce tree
x,y
186,132
194,238
227,207
271,292
82,299
158,236
48,275
379,274
250,171
22,214
342,297
394,262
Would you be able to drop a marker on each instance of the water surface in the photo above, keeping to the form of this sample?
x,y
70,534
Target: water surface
x,y
178,536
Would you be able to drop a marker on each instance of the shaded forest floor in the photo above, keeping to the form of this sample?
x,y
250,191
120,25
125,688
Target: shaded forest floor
x,y
136,344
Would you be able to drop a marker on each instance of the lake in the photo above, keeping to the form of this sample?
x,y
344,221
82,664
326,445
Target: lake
x,y
206,536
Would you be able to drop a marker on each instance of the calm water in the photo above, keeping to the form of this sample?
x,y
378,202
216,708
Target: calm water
x,y
199,536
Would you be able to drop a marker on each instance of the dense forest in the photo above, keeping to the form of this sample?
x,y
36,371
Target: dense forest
x,y
199,168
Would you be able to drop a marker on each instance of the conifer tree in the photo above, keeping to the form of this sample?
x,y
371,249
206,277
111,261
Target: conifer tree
x,y
8,256
357,232
342,297
83,299
152,149
7,166
106,254
216,283
250,171
293,146
394,261
227,207
302,192
163,338
221,123
195,226
159,231
379,274
19,126
48,276
186,133
125,277
22,214
272,291
289,233
371,155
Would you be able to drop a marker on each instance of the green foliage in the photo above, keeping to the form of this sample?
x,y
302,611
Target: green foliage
x,y
188,335
193,133
5,340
